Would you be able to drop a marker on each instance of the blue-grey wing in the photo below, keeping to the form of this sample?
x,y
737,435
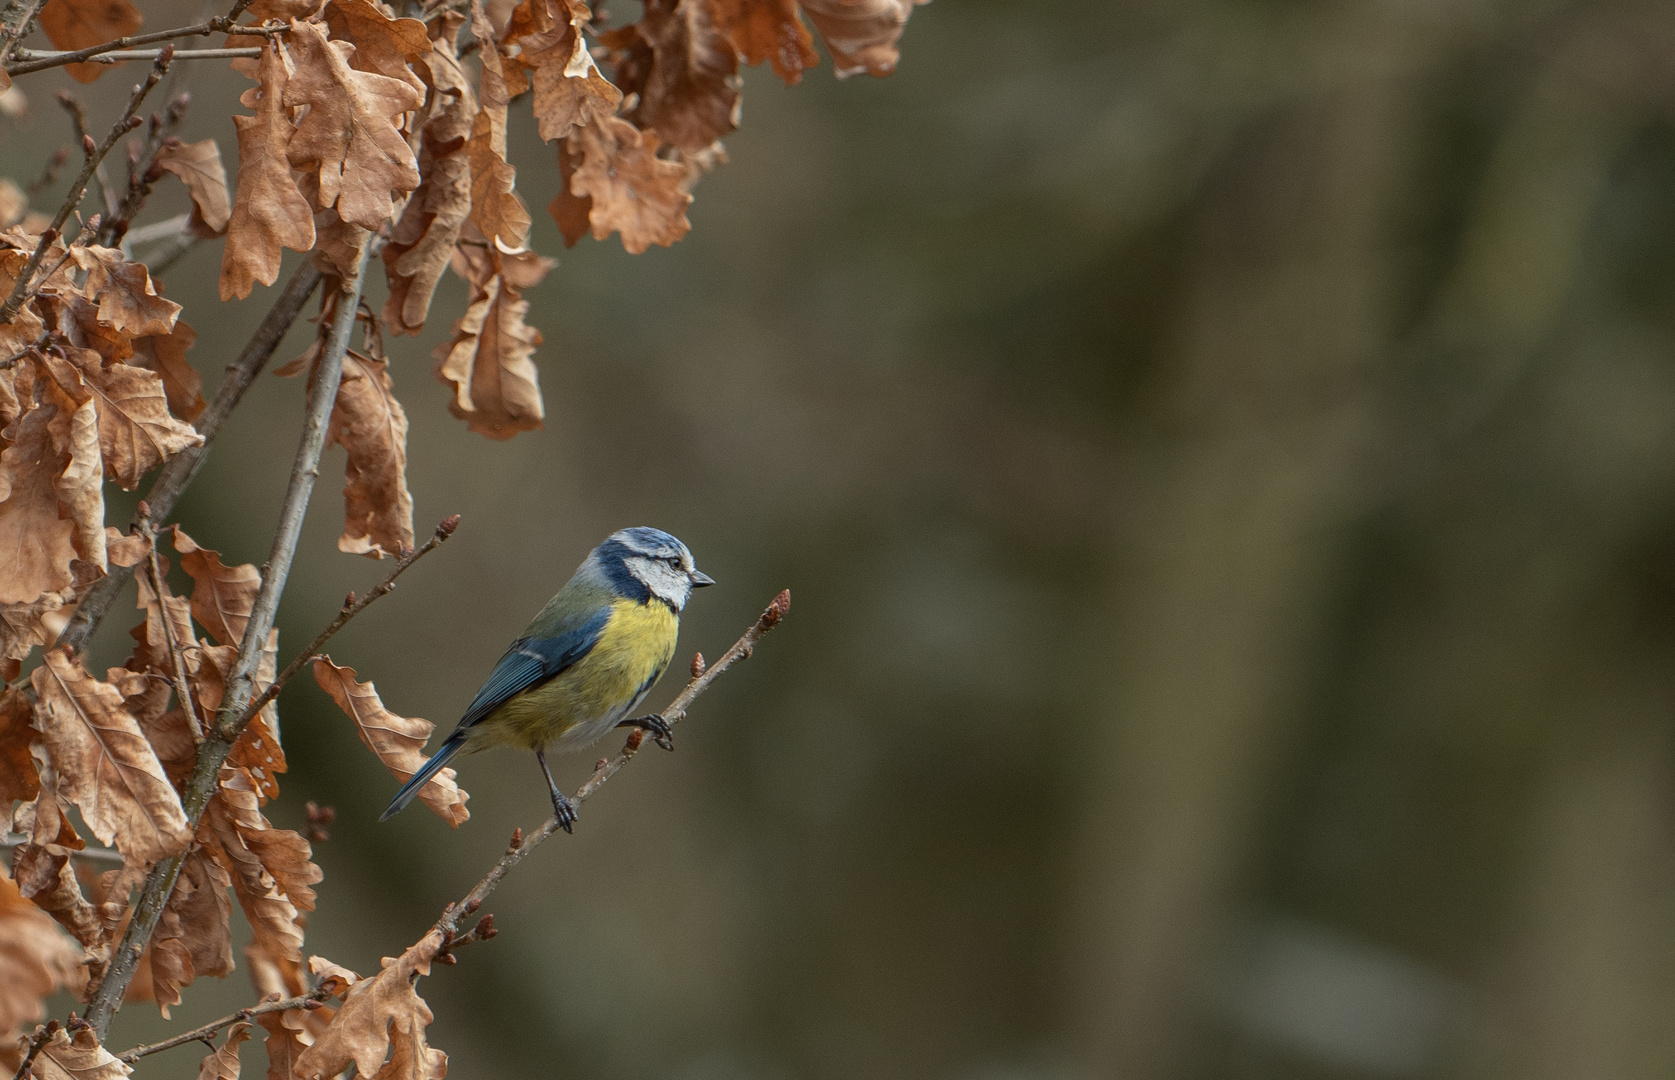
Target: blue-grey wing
x,y
531,661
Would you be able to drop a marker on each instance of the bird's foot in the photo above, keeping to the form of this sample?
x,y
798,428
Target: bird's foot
x,y
564,810
657,726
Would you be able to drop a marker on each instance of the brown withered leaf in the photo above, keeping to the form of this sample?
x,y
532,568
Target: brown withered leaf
x,y
165,354
18,776
146,696
81,487
222,595
36,545
24,626
397,740
377,1012
76,24
43,874
570,210
768,30
570,92
412,1058
382,44
861,34
271,868
633,191
151,651
496,208
135,432
258,752
269,212
223,1063
78,1058
199,167
104,764
36,958
488,361
289,1032
350,138
127,299
370,424
685,71
194,937
124,549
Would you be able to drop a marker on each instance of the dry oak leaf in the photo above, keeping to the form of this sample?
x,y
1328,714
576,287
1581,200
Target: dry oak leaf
x,y
194,936
569,89
24,626
78,1058
104,763
36,958
43,874
271,868
292,1031
377,1013
397,740
81,488
222,595
634,192
133,428
269,212
685,71
496,208
488,363
18,776
165,354
370,424
382,44
861,34
350,138
76,24
123,289
768,30
223,1063
36,544
151,651
199,167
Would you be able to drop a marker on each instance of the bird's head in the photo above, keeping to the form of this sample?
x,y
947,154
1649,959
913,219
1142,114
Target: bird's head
x,y
642,560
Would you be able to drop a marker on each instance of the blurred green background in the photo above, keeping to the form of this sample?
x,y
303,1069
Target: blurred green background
x,y
1223,455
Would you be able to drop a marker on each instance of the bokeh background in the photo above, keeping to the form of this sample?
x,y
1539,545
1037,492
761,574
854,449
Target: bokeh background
x,y
1223,454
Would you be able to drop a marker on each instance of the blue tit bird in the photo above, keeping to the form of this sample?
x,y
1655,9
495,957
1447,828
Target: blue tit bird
x,y
582,665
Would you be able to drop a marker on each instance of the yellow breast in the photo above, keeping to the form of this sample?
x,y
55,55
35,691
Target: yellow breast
x,y
586,700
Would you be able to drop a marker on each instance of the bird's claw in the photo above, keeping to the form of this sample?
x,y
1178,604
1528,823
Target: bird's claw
x,y
565,811
657,726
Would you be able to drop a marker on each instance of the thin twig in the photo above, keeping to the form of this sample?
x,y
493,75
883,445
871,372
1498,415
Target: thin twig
x,y
177,473
78,127
177,659
230,721
221,24
701,679
126,55
43,1035
133,1054
124,124
157,231
351,607
92,854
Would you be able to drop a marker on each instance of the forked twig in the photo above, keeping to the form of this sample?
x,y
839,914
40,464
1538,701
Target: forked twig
x,y
351,607
221,24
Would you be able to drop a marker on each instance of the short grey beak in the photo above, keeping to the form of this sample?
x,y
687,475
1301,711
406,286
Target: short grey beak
x,y
700,579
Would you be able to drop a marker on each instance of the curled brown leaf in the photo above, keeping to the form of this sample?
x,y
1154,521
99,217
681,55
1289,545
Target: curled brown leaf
x,y
370,424
269,212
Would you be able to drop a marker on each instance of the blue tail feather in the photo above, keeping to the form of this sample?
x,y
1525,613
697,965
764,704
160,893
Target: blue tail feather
x,y
438,760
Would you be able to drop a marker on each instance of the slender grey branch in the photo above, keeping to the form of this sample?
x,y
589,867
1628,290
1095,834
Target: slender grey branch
x,y
351,608
212,753
124,124
124,56
18,17
701,678
177,659
222,24
92,854
179,471
133,1054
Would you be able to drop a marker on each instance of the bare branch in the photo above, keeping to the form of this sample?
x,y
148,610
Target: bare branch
x,y
177,473
177,659
133,1054
42,1036
230,721
92,854
39,61
127,55
351,608
702,677
78,126
18,18
124,124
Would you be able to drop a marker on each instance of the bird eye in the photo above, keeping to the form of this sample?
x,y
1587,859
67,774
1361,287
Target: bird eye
x,y
674,561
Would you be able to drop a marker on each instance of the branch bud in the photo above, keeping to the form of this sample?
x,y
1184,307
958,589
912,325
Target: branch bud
x,y
446,529
88,146
777,610
698,665
635,738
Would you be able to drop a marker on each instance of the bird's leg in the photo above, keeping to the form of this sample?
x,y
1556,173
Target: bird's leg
x,y
563,808
658,727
